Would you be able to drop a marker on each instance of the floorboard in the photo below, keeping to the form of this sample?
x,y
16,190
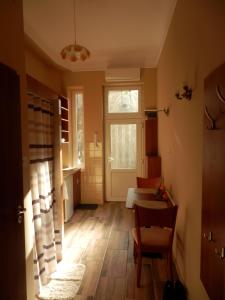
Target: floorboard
x,y
101,239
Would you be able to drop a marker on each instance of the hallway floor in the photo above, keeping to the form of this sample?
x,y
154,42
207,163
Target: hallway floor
x,y
101,239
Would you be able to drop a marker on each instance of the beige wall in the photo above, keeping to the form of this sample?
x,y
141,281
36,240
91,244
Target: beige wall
x,y
12,54
42,71
92,83
92,176
195,45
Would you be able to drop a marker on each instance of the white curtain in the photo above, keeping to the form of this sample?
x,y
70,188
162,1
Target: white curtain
x,y
47,243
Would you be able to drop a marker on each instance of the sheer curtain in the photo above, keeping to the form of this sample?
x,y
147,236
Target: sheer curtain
x,y
123,146
47,244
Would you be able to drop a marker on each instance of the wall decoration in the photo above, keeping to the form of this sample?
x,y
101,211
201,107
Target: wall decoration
x,y
186,94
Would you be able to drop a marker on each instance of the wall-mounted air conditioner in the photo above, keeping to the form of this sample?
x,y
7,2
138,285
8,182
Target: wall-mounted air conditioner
x,y
122,74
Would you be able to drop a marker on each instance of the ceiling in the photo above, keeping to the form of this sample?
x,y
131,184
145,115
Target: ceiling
x,y
118,33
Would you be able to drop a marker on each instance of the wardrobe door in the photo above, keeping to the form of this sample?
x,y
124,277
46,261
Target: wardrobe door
x,y
213,202
12,248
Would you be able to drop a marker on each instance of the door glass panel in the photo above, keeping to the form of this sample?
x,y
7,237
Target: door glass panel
x,y
123,146
123,101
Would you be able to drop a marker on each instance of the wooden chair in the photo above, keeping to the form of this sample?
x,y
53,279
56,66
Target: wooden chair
x,y
149,182
153,233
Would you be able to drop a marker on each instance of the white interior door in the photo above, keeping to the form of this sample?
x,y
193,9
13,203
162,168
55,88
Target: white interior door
x,y
124,156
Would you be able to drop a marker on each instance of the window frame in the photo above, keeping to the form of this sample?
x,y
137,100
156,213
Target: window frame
x,y
122,115
71,93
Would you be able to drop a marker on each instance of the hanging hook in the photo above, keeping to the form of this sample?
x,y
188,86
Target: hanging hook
x,y
212,121
219,94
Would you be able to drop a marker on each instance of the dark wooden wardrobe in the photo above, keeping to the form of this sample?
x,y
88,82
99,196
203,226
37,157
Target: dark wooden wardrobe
x,y
213,202
151,146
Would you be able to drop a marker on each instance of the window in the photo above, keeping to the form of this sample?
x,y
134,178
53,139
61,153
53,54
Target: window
x,y
122,100
78,127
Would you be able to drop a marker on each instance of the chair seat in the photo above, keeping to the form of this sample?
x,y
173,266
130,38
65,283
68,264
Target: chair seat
x,y
154,238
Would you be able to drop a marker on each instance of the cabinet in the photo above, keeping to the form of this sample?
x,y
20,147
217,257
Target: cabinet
x,y
76,188
64,119
213,188
151,136
151,146
72,195
154,166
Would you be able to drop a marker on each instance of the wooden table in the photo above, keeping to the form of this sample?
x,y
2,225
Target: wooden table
x,y
144,197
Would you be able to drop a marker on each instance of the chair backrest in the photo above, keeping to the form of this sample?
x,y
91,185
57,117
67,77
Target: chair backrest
x,y
149,182
164,217
165,196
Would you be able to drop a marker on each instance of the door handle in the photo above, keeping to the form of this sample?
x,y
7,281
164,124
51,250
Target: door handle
x,y
20,212
221,253
208,236
110,159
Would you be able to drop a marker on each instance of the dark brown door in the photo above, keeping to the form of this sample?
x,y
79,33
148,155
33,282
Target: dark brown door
x,y
12,245
213,205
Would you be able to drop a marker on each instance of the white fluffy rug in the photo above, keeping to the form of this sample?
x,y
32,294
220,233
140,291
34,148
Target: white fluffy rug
x,y
64,283
66,271
59,290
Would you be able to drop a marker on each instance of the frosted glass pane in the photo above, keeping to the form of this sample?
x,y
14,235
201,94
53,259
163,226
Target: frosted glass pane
x,y
79,107
123,146
124,101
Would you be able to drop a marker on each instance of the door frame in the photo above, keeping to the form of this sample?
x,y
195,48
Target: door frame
x,y
123,118
139,153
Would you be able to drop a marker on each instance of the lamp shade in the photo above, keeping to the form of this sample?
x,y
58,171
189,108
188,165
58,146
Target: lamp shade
x,y
75,52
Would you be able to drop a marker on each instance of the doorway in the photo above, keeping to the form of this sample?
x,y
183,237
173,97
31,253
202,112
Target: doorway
x,y
124,126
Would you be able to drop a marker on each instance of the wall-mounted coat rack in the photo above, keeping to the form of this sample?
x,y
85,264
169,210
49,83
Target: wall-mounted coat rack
x,y
152,112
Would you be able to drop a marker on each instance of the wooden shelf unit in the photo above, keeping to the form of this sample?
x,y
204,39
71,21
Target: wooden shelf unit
x,y
151,146
64,119
154,166
151,136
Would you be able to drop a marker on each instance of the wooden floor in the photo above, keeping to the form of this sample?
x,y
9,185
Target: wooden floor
x,y
101,239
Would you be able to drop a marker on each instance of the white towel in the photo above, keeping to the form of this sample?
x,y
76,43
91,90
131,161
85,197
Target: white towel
x,y
65,192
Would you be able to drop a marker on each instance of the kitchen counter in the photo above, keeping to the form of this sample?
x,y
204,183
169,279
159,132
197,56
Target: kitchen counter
x,y
72,191
69,171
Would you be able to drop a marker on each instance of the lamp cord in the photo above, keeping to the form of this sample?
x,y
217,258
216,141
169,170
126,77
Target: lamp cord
x,y
74,21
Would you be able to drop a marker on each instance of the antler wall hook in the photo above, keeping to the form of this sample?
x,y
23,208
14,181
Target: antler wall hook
x,y
211,120
219,94
221,112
